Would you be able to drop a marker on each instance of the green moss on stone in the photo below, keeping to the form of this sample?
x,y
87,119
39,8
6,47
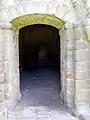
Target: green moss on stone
x,y
31,19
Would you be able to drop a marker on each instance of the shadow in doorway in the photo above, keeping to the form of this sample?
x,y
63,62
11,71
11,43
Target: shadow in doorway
x,y
39,53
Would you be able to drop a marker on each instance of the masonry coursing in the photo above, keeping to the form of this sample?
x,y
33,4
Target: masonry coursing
x,y
75,53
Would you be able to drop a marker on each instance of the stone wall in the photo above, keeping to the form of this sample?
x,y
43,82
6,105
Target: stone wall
x,y
9,72
82,70
76,73
11,63
2,93
75,58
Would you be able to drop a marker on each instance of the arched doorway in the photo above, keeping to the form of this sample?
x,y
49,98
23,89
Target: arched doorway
x,y
70,49
39,63
50,20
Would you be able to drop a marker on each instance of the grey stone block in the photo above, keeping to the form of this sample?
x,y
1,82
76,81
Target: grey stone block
x,y
1,56
9,77
1,78
81,44
82,95
1,67
81,55
77,34
82,75
82,66
2,97
9,51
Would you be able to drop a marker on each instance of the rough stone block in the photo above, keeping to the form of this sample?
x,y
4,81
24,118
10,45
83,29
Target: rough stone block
x,y
60,11
12,93
77,34
8,36
69,58
82,55
8,91
70,89
8,87
86,117
2,97
82,75
81,44
40,8
69,99
69,73
1,92
69,34
69,53
82,66
1,66
9,66
1,78
69,81
1,56
69,45
2,87
14,11
5,15
87,82
9,51
85,97
81,84
9,77
2,115
70,64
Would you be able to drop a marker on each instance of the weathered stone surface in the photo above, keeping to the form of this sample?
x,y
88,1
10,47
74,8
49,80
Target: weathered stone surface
x,y
87,82
81,44
2,97
69,34
9,66
85,97
1,66
75,64
77,34
1,87
82,55
1,56
9,77
2,92
33,19
82,66
9,51
82,75
69,44
8,36
2,78
82,84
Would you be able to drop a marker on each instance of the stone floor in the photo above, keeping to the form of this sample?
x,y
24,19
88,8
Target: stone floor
x,y
40,99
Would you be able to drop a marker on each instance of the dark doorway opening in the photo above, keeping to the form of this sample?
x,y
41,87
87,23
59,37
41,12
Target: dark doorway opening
x,y
39,58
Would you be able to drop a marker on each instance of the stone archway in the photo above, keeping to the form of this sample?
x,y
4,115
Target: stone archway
x,y
75,58
11,58
30,19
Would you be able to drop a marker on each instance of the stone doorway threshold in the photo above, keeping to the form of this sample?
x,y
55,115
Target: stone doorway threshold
x,y
40,97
